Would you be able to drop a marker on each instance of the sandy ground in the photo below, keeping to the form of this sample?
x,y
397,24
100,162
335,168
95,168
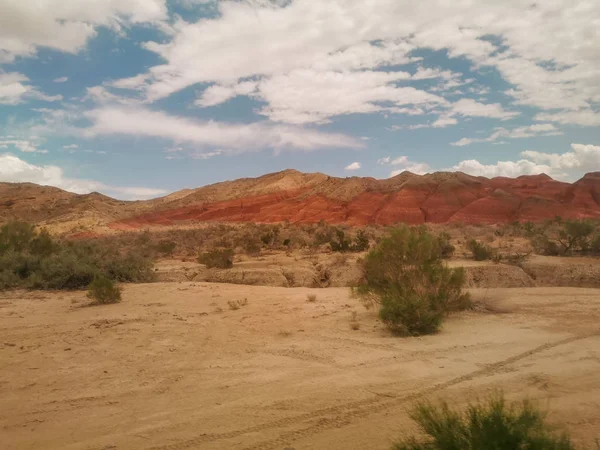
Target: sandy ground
x,y
172,367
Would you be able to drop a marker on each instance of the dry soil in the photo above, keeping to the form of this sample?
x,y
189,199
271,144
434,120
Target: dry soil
x,y
172,367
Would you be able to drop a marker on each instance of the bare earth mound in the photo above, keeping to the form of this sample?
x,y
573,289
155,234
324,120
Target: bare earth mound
x,y
173,367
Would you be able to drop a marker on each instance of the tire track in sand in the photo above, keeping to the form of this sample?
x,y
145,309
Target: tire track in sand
x,y
351,411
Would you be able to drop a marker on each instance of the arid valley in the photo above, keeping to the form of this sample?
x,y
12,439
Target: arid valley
x,y
275,351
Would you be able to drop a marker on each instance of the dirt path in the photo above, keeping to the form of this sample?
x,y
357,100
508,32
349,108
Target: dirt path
x,y
172,367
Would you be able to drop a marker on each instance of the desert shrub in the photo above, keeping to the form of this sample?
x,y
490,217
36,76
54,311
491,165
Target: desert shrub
x,y
342,244
361,242
237,304
104,291
480,251
37,261
311,298
490,425
406,277
166,247
567,237
576,235
252,246
542,245
287,242
446,247
219,258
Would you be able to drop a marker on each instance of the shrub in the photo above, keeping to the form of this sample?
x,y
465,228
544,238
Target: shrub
x,y
480,251
406,276
104,291
490,425
341,244
361,242
16,236
446,248
311,298
219,258
166,247
575,235
36,261
237,304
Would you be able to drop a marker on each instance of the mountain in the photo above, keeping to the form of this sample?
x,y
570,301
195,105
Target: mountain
x,y
306,198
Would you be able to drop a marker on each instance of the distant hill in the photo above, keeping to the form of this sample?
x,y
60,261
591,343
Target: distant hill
x,y
306,198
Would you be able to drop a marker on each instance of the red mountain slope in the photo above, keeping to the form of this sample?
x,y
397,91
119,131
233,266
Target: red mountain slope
x,y
438,198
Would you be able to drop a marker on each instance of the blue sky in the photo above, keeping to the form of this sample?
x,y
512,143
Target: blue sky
x,y
139,98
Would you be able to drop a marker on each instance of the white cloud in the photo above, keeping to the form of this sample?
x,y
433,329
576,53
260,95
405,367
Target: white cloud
x,y
66,25
23,145
585,158
217,94
61,79
309,96
15,170
585,117
405,165
545,129
470,108
235,138
569,165
502,168
547,53
14,88
354,166
71,146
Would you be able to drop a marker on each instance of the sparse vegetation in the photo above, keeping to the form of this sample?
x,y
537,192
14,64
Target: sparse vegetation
x,y
446,247
219,258
406,277
492,424
237,304
567,237
480,252
36,261
104,291
342,244
166,247
311,298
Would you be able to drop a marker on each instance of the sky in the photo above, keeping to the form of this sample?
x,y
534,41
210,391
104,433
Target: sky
x,y
140,98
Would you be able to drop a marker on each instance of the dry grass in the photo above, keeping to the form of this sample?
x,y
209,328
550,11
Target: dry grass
x,y
237,304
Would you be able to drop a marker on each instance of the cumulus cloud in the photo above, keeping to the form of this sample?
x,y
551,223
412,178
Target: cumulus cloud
x,y
15,170
23,145
236,138
353,166
470,108
571,165
542,129
66,25
553,68
15,88
404,165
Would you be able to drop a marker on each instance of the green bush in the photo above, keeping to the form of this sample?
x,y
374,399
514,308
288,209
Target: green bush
x,y
492,425
341,244
104,291
219,258
481,252
16,237
446,247
576,235
36,261
406,277
166,247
